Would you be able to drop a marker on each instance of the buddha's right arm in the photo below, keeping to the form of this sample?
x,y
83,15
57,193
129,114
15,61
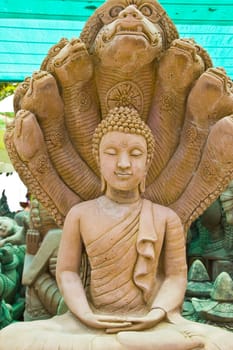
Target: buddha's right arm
x,y
68,264
73,293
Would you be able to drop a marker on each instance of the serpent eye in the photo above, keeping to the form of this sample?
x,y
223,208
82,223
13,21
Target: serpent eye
x,y
114,12
146,10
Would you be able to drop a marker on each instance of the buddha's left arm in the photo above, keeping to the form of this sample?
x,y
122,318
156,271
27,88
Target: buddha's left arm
x,y
171,293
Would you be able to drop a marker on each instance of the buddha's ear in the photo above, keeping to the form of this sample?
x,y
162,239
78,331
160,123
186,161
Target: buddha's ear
x,y
97,159
148,164
142,185
103,184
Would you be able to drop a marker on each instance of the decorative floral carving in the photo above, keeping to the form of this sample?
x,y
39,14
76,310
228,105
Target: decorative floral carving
x,y
126,94
41,164
55,138
208,171
166,102
84,101
191,135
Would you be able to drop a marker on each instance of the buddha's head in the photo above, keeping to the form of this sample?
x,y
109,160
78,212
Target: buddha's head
x,y
7,227
123,146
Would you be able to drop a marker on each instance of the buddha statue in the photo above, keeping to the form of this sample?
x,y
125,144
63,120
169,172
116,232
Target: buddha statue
x,y
43,299
11,232
129,54
136,254
11,290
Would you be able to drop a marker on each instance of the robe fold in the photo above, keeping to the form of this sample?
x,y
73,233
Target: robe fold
x,y
125,277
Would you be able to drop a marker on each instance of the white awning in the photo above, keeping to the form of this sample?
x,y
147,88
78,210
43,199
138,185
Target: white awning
x,y
6,105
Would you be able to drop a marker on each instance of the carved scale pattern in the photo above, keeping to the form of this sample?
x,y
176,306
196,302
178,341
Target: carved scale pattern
x,y
187,103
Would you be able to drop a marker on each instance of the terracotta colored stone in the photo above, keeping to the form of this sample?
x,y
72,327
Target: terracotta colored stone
x,y
128,61
136,251
127,55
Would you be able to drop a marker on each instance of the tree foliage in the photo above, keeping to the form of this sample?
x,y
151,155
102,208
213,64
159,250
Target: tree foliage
x,y
7,89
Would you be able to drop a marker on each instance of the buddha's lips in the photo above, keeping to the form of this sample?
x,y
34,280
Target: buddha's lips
x,y
123,174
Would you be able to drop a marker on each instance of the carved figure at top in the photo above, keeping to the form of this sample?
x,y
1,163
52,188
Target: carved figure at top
x,y
136,251
128,54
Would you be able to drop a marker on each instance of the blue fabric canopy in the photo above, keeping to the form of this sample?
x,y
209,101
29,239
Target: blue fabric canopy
x,y
29,29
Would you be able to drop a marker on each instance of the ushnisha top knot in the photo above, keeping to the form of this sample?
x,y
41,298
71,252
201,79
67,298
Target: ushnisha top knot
x,y
126,120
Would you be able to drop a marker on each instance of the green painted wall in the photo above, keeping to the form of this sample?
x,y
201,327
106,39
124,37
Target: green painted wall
x,y
29,29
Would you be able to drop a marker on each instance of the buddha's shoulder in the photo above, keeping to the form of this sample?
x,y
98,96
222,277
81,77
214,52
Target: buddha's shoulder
x,y
83,207
163,210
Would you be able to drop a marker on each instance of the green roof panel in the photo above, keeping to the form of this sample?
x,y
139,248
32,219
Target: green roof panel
x,y
29,29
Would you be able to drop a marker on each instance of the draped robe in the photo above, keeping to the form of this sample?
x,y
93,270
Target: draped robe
x,y
126,274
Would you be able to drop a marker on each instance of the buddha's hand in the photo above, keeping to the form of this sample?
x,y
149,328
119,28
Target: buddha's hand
x,y
106,322
140,323
32,241
52,265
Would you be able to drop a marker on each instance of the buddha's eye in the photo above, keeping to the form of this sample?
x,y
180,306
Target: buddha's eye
x,y
136,152
146,10
110,151
114,12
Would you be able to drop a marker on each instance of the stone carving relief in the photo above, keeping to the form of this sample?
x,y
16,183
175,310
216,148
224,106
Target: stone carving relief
x,y
136,250
129,53
129,56
43,298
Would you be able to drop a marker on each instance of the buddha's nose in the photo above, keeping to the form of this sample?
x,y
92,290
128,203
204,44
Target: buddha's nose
x,y
123,161
130,12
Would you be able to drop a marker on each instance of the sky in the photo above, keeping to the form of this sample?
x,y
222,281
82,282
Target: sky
x,y
15,190
6,105
13,186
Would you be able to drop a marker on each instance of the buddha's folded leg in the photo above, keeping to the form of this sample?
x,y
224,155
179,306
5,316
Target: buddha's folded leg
x,y
106,342
164,337
215,337
24,338
63,332
60,332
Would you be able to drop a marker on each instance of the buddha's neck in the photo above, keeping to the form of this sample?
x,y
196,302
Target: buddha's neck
x,y
122,197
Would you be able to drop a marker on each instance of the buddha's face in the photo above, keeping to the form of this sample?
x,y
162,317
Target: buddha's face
x,y
5,227
123,160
